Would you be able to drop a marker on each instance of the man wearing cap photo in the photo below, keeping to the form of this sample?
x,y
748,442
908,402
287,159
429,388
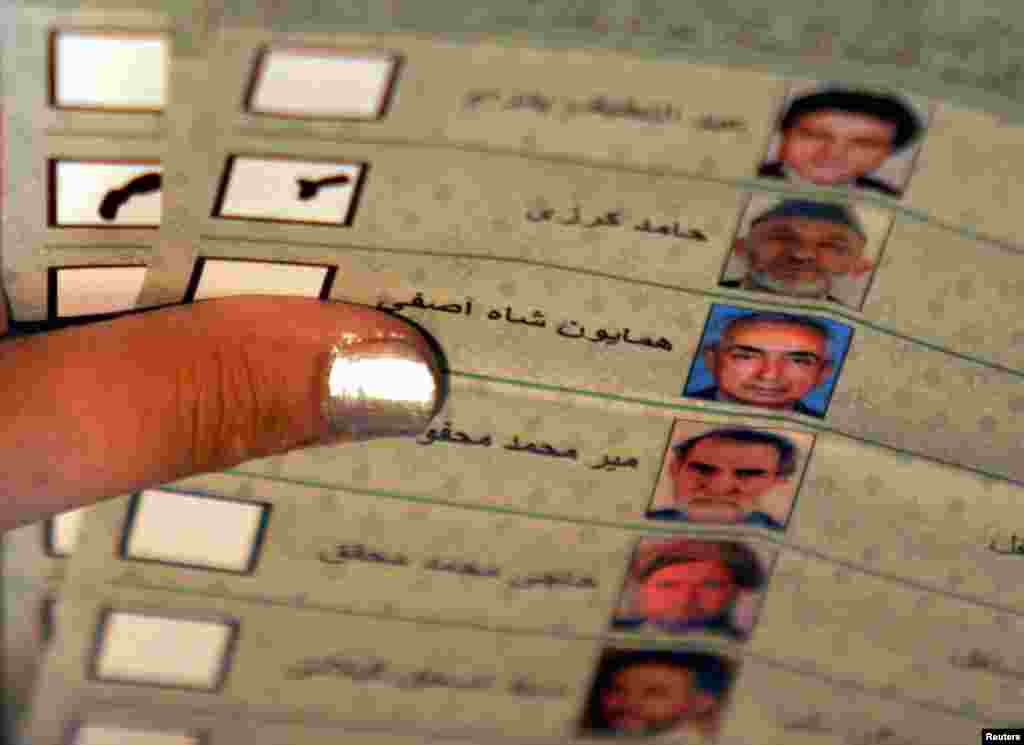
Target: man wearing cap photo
x,y
768,360
800,248
720,477
838,137
690,585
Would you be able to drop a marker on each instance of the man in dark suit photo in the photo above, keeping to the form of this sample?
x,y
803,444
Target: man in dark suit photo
x,y
838,137
769,360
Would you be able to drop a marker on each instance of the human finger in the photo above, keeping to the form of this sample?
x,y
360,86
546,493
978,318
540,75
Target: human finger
x,y
112,407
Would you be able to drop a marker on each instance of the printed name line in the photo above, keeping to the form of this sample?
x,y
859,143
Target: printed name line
x,y
742,184
855,320
643,529
600,639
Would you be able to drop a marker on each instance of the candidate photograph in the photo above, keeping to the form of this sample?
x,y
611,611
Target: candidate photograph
x,y
779,362
806,249
658,695
842,137
687,585
730,475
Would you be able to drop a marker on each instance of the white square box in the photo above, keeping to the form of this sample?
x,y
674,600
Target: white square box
x,y
224,277
279,189
193,530
62,532
105,194
147,649
88,290
108,70
102,734
323,83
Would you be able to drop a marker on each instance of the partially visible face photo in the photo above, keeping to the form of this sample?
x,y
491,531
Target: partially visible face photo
x,y
807,249
730,475
688,585
840,136
659,694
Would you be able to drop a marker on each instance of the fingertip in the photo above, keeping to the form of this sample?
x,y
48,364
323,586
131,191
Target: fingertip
x,y
430,348
384,376
379,389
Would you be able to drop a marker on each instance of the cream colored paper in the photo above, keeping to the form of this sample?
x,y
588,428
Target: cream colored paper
x,y
513,178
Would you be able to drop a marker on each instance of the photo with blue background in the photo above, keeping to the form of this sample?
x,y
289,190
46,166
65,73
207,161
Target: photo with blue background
x,y
720,316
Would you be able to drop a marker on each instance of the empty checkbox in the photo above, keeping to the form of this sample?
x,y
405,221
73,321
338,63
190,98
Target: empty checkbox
x,y
83,291
170,652
323,83
108,71
97,734
224,277
194,531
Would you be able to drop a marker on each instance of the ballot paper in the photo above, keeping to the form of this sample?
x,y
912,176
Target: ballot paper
x,y
636,514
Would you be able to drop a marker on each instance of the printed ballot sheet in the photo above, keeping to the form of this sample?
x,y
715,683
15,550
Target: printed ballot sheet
x,y
732,323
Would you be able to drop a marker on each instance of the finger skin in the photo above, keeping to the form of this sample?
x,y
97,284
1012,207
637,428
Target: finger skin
x,y
105,409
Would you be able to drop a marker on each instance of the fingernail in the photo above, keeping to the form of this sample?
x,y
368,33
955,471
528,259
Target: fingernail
x,y
376,389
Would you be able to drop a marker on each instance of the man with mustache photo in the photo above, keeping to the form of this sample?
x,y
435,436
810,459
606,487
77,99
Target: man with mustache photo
x,y
770,360
802,249
687,585
720,477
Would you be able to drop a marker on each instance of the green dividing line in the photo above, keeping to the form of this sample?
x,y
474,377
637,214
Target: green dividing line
x,y
846,315
642,529
548,387
606,639
439,502
741,184
636,401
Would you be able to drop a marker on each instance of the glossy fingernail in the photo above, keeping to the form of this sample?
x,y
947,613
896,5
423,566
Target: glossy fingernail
x,y
384,388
